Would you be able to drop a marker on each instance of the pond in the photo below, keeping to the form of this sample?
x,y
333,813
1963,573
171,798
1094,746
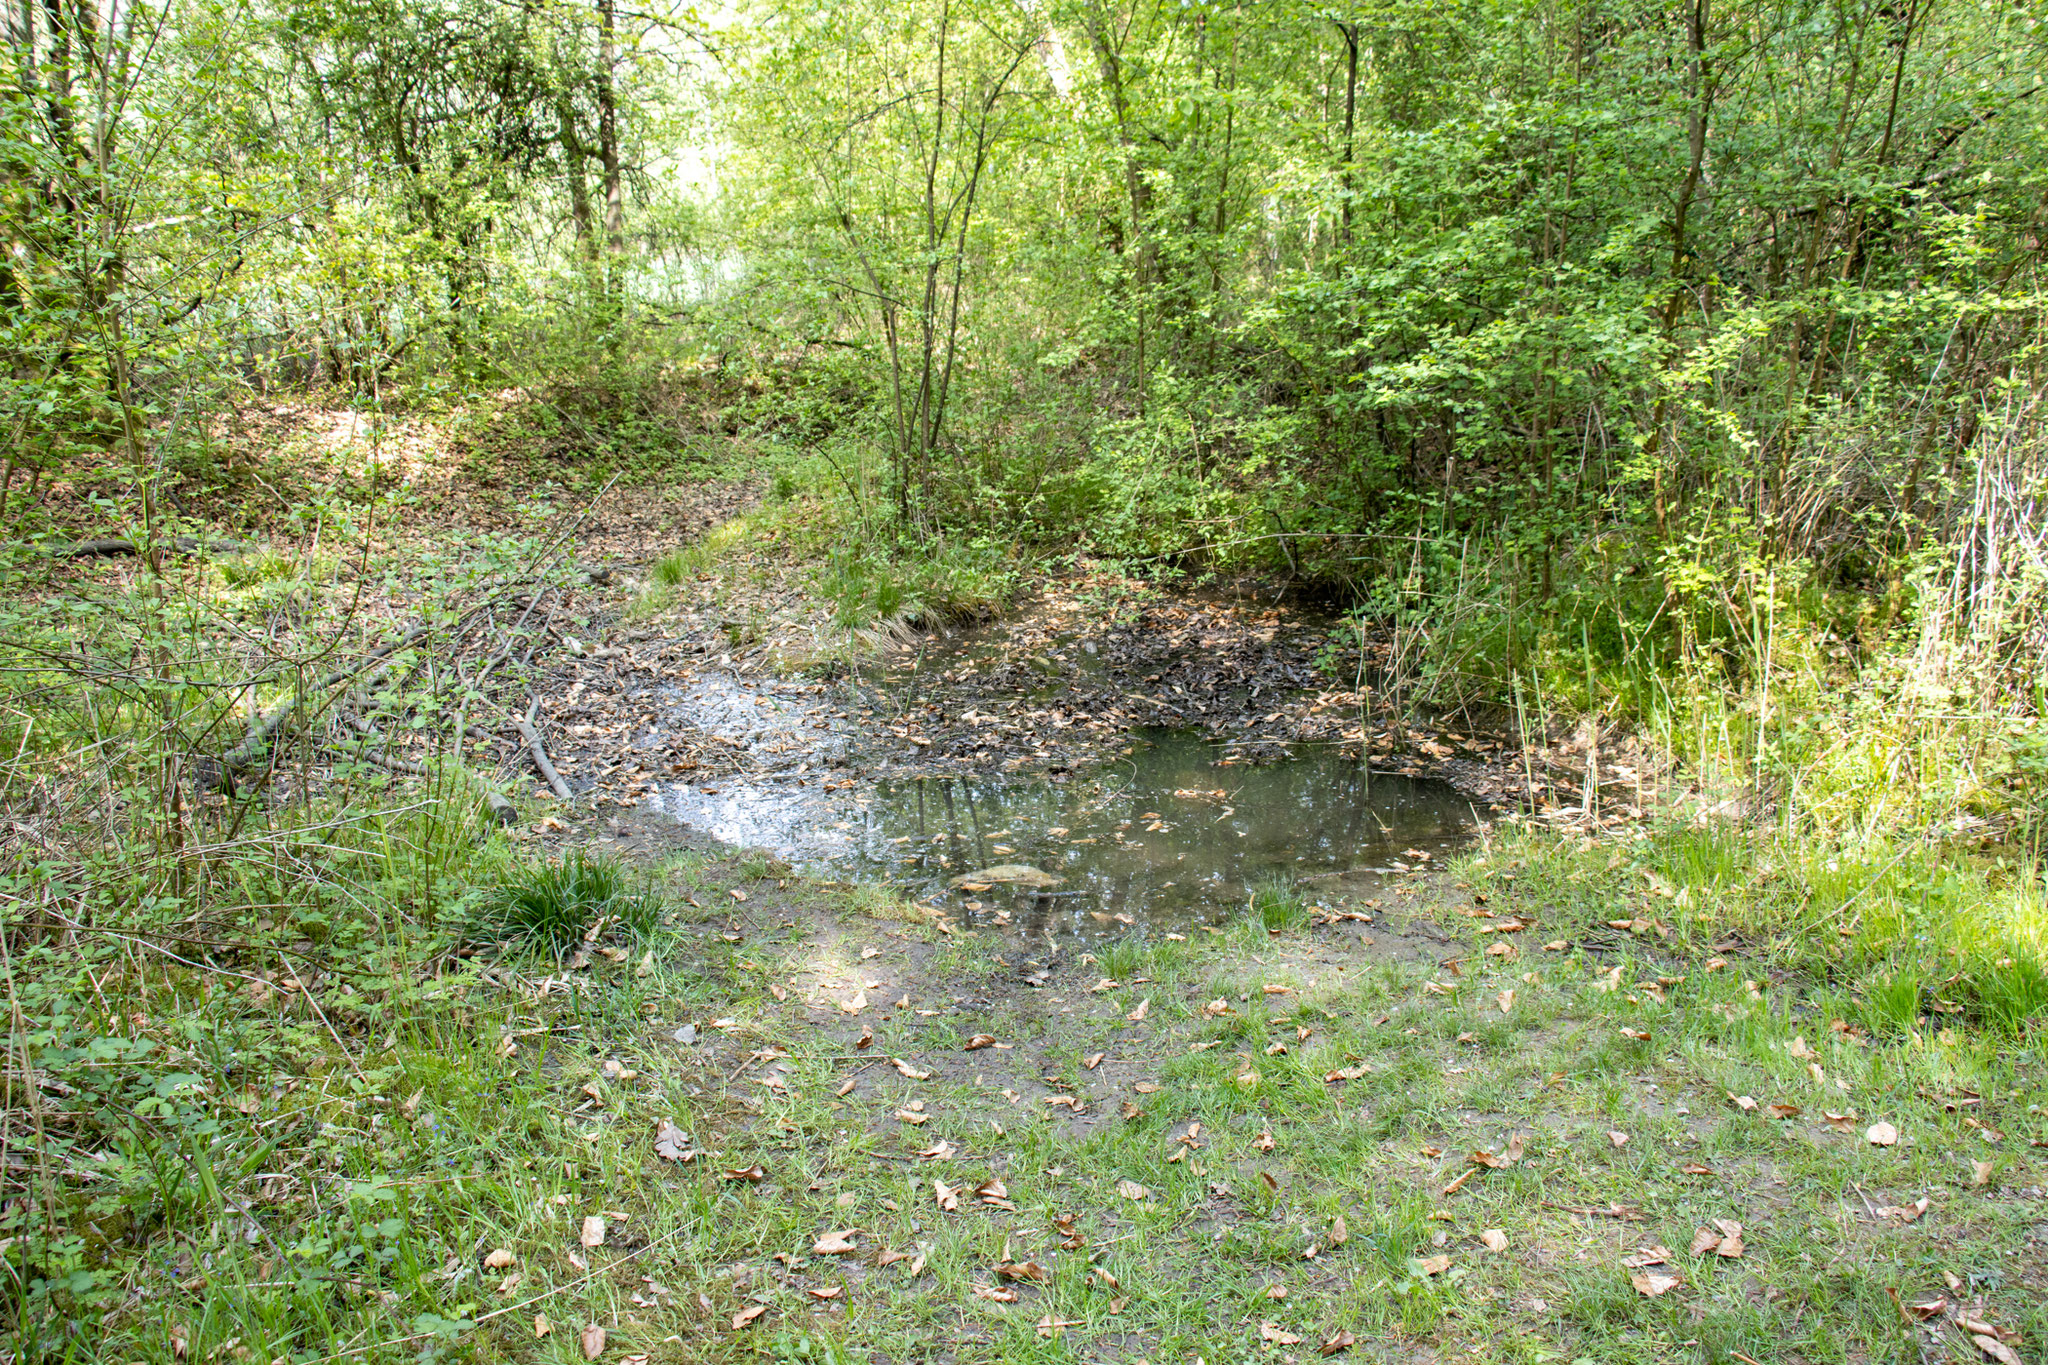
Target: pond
x,y
1169,836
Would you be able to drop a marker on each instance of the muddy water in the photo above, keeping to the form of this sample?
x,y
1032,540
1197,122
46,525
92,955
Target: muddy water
x,y
1165,838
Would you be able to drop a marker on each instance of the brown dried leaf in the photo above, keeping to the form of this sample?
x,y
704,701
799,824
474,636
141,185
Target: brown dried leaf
x,y
1343,1340
593,1231
753,1174
1650,1283
980,1041
1144,1008
1131,1189
827,1292
904,1068
499,1259
1432,1265
592,1340
1880,1134
1272,1331
835,1243
747,1315
1618,1138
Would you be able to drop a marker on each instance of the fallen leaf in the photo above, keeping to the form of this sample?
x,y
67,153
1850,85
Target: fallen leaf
x,y
1743,1102
1781,1110
1432,1265
737,894
1694,1168
979,1041
1339,1233
904,1068
1506,1000
499,1259
1991,1346
1131,1189
1049,1325
983,1291
1144,1007
834,1243
1270,1331
1020,1270
593,1231
1105,985
1264,1142
1980,1173
828,1292
1092,1061
855,1005
1459,1183
1341,1341
948,1196
541,1326
1608,982
1619,1139
592,1340
1798,1048
670,1142
1653,1255
1216,1008
1276,1291
1650,1284
1493,1239
1908,1213
1641,1035
1880,1134
913,1117
753,1174
747,1315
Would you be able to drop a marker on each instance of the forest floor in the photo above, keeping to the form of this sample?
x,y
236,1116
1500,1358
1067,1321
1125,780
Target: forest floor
x,y
1492,1113
1538,1104
824,1127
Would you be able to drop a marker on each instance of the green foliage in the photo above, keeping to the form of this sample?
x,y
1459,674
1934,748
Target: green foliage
x,y
550,907
1277,904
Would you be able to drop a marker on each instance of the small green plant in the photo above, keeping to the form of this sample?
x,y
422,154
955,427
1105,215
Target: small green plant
x,y
673,568
1277,903
549,907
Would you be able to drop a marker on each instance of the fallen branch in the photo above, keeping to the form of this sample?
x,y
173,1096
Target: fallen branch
x,y
539,751
116,545
256,743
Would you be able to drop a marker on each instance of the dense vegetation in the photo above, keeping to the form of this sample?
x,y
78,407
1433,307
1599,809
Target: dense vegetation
x,y
1673,372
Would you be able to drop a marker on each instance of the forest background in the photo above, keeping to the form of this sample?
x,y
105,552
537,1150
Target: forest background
x,y
1671,370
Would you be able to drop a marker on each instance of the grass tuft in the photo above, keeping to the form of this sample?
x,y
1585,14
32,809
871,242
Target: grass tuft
x,y
549,907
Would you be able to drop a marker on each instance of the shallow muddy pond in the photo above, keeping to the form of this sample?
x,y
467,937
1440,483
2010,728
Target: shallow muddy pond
x,y
1165,838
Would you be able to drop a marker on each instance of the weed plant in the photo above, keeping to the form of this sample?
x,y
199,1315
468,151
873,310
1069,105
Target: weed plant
x,y
549,907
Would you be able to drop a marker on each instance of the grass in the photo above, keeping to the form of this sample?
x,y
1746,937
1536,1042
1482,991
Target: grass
x,y
300,1194
551,907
